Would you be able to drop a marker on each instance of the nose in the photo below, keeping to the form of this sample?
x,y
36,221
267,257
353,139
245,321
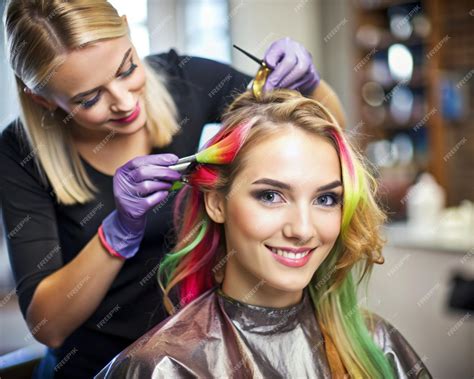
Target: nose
x,y
123,100
299,225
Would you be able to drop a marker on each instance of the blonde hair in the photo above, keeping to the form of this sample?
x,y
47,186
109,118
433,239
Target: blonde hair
x,y
39,33
189,267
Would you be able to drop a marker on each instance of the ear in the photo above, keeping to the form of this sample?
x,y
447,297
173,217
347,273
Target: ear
x,y
41,100
214,202
124,17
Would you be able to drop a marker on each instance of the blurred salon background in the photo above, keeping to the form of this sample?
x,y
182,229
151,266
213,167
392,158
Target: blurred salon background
x,y
404,73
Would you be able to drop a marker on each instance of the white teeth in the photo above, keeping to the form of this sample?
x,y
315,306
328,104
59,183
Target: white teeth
x,y
288,254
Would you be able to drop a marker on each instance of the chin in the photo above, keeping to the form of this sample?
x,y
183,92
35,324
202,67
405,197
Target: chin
x,y
129,129
288,284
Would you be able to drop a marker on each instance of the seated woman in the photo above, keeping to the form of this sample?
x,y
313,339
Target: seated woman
x,y
269,249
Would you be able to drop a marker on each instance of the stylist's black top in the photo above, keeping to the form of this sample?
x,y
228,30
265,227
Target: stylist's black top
x,y
43,236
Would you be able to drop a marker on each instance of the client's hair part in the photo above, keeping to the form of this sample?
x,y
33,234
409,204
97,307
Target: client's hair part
x,y
199,256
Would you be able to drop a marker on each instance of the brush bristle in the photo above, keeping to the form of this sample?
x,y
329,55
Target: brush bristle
x,y
225,150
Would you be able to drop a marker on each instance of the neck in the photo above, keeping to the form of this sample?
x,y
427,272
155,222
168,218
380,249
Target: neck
x,y
110,139
251,290
113,150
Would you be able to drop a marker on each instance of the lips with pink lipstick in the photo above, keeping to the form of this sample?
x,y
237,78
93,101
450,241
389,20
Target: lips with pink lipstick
x,y
130,118
291,256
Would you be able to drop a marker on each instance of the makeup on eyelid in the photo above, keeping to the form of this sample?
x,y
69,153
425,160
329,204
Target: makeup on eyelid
x,y
87,104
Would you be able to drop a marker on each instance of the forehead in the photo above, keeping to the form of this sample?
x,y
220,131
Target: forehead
x,y
90,66
293,156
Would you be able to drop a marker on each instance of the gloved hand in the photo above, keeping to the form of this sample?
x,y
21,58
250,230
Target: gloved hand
x,y
138,185
292,67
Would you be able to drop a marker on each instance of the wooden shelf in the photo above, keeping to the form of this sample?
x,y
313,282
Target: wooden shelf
x,y
448,47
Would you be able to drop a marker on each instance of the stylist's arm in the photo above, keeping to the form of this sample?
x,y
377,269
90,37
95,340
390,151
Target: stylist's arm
x,y
138,186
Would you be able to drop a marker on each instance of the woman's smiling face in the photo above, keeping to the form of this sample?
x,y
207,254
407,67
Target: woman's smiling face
x,y
101,87
288,196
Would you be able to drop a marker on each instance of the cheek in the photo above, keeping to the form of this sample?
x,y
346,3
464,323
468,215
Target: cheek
x,y
329,226
250,221
138,80
97,115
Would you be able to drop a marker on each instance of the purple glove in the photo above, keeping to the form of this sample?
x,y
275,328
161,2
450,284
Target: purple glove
x,y
139,185
292,67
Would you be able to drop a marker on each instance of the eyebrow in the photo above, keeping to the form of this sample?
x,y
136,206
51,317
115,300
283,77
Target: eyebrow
x,y
285,186
82,94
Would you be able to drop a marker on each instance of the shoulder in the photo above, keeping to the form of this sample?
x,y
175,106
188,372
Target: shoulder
x,y
192,68
169,346
15,152
17,157
199,85
13,139
174,63
168,61
179,332
395,347
150,367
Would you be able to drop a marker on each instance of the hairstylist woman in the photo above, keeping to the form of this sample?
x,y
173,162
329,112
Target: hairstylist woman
x,y
84,177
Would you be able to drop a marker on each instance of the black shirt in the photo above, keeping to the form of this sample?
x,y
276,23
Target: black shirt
x,y
43,236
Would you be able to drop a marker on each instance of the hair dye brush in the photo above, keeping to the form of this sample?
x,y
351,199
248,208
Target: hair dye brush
x,y
262,74
219,153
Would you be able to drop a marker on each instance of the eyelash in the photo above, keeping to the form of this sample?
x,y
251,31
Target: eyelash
x,y
90,103
337,199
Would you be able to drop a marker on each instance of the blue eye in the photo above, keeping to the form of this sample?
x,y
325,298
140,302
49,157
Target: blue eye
x,y
267,196
329,200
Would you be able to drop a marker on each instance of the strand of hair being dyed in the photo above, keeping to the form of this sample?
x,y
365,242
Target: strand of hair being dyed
x,y
188,265
222,148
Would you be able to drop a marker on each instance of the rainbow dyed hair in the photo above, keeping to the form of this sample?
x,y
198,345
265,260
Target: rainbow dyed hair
x,y
194,265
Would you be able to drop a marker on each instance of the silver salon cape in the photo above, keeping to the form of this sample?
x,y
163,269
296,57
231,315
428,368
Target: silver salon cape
x,y
216,336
